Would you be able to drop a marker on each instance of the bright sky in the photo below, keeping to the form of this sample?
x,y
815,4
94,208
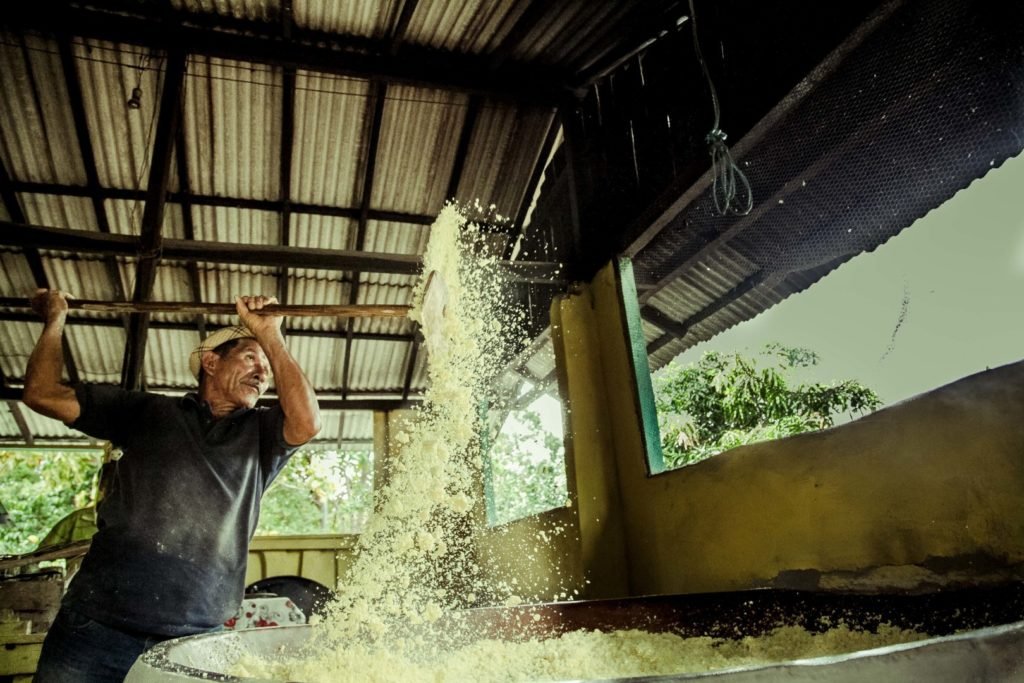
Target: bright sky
x,y
961,270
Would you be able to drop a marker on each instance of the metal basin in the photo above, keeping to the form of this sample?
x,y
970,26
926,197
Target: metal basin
x,y
990,649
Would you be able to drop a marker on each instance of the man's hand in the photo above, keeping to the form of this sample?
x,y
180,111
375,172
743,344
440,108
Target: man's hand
x,y
259,324
294,392
51,305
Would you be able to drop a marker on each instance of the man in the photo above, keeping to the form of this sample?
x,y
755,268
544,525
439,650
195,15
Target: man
x,y
169,556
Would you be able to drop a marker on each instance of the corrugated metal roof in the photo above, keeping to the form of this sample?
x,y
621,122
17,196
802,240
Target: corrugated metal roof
x,y
98,352
122,138
232,128
329,146
16,342
236,226
262,10
463,26
15,275
322,359
356,427
366,18
419,136
33,109
58,211
85,277
378,366
125,218
167,353
233,125
503,152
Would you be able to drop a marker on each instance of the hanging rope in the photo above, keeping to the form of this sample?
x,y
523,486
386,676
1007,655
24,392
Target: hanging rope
x,y
726,175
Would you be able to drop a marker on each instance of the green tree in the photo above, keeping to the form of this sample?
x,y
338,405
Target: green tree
x,y
527,469
726,400
320,491
38,488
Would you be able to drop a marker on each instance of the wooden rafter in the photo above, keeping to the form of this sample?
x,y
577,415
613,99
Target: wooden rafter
x,y
369,168
376,400
76,321
196,199
287,147
168,120
188,228
31,237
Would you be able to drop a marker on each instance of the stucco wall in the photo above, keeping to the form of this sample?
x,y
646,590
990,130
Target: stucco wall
x,y
928,491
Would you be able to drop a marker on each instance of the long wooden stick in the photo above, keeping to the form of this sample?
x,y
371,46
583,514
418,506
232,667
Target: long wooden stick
x,y
308,310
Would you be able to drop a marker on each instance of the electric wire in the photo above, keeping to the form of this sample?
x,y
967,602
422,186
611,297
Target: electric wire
x,y
727,177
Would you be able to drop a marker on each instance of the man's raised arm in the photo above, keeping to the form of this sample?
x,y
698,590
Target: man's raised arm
x,y
294,392
44,391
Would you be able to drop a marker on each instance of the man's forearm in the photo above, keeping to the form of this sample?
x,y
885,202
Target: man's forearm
x,y
44,391
294,392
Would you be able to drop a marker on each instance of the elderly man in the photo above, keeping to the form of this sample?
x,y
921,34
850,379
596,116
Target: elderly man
x,y
169,556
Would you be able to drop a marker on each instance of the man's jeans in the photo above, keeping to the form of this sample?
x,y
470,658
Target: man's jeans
x,y
80,650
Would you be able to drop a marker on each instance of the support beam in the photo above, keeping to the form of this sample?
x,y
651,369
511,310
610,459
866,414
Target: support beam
x,y
168,120
380,400
369,168
76,321
287,146
262,42
85,241
410,369
184,196
341,428
188,228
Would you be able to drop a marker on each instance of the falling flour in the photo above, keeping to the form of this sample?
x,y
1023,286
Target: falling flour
x,y
397,614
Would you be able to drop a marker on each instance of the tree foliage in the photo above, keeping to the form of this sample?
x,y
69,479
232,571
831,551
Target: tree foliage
x,y
726,400
38,488
320,491
527,469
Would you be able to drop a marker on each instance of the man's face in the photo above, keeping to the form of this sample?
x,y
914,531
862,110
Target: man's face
x,y
242,374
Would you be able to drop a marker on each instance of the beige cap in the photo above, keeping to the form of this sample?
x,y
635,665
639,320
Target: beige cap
x,y
221,336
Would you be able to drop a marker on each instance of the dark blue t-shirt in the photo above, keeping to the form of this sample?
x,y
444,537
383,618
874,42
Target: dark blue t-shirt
x,y
169,556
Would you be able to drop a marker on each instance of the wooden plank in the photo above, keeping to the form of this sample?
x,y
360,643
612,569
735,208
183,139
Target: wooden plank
x,y
303,310
19,659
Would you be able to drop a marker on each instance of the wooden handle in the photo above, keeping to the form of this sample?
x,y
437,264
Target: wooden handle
x,y
190,308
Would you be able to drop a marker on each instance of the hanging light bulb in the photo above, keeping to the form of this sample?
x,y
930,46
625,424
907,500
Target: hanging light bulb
x,y
135,101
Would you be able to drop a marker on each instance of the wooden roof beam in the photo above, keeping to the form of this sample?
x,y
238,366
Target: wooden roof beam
x,y
168,120
186,197
287,20
189,229
78,321
376,102
85,241
327,400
